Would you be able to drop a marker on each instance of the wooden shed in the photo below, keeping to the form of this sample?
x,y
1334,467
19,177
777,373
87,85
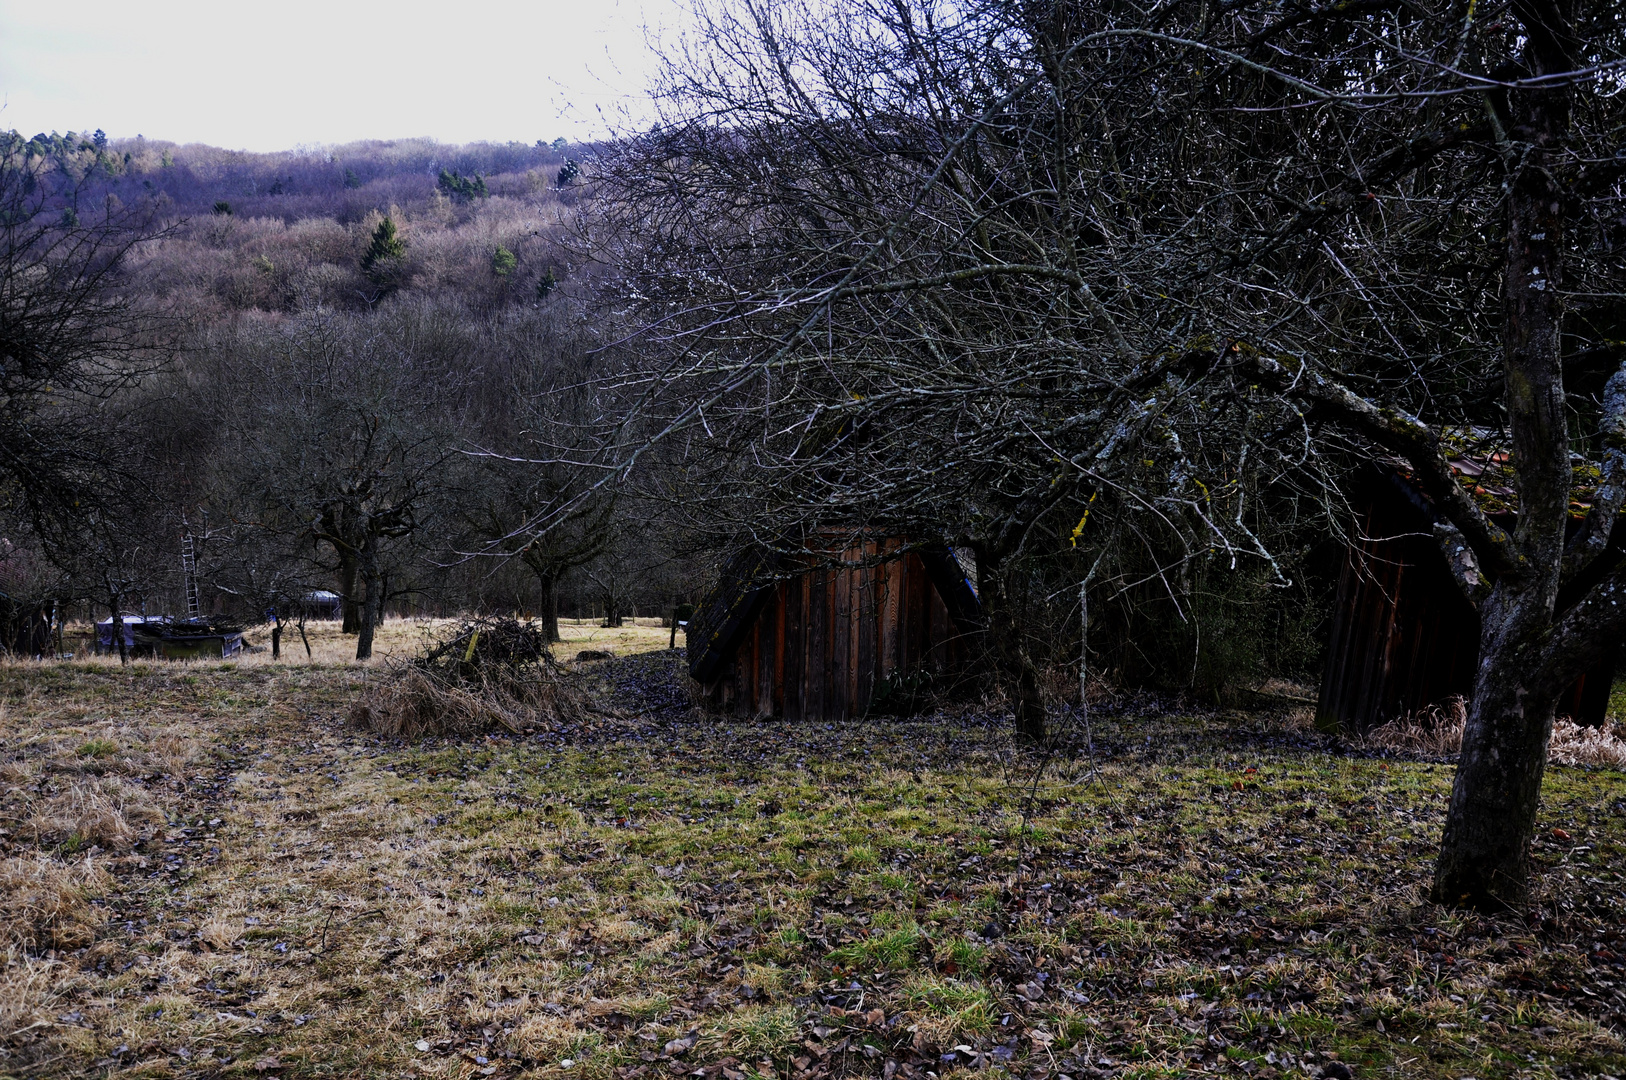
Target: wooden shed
x,y
828,638
1403,635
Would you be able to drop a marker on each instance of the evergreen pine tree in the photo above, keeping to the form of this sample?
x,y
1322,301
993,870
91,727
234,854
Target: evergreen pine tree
x,y
386,246
503,262
460,188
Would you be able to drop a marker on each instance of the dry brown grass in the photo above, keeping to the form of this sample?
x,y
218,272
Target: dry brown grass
x,y
323,901
411,704
1599,747
108,813
1437,731
46,903
28,987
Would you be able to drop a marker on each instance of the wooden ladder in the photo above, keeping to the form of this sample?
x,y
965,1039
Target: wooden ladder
x,y
189,572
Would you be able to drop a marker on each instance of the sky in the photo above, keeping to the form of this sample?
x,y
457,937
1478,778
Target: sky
x,y
268,76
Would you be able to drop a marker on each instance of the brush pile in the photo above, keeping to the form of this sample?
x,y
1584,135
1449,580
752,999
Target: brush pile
x,y
486,674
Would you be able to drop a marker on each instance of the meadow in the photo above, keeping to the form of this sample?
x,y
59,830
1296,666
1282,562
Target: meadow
x,y
205,871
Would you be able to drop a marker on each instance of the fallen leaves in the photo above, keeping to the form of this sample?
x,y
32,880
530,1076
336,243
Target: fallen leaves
x,y
681,1045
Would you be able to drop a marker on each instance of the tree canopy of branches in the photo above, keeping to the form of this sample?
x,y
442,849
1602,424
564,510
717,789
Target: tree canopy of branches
x,y
71,335
335,434
957,267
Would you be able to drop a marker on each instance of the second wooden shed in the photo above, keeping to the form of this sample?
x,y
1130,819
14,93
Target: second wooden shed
x,y
1403,636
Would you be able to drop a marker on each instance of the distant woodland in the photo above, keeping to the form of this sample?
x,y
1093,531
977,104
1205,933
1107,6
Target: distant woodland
x,y
313,351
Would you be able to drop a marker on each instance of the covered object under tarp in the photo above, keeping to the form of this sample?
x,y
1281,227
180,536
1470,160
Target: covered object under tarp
x,y
172,639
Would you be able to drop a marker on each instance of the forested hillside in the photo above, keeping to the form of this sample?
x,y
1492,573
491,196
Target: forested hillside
x,y
319,347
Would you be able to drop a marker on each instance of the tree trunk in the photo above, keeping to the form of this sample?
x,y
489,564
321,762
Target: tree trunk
x,y
349,609
1484,857
302,636
371,605
1012,664
550,607
118,631
276,640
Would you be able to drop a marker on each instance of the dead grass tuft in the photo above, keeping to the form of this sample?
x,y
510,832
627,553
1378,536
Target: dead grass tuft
x,y
45,903
411,704
27,989
1437,731
220,933
1599,747
109,814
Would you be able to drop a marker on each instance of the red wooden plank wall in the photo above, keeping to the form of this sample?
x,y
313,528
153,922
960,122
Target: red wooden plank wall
x,y
827,638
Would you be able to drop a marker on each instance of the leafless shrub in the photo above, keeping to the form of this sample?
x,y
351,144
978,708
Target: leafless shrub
x,y
488,674
1437,731
45,903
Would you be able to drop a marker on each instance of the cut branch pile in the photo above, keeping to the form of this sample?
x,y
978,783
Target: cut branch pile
x,y
489,673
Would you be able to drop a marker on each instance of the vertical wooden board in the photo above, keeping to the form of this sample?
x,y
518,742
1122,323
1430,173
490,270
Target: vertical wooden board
x,y
795,646
1367,618
1333,706
868,606
782,591
856,578
745,669
767,637
1375,617
917,628
887,574
837,704
815,675
903,631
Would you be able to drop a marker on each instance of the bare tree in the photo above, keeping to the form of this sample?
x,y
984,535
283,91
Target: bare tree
x,y
537,453
897,278
1503,194
338,431
72,339
959,267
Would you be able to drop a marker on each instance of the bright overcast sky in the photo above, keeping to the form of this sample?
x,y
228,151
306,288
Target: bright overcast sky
x,y
274,75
